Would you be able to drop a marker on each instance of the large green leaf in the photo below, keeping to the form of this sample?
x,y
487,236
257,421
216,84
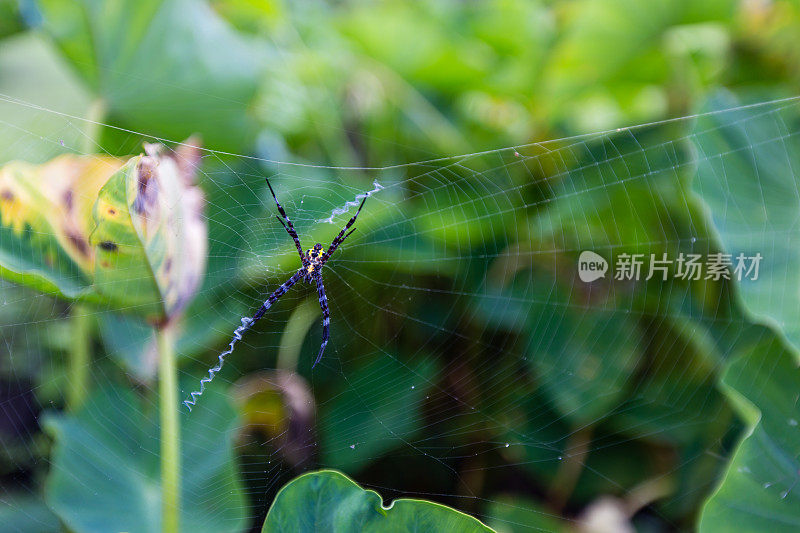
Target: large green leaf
x,y
748,175
166,67
330,501
105,466
26,512
748,161
31,67
760,490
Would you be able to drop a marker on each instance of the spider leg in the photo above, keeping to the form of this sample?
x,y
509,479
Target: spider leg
x,y
247,323
341,237
346,236
280,291
290,229
326,319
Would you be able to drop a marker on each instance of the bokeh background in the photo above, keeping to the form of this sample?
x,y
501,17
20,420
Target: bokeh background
x,y
468,364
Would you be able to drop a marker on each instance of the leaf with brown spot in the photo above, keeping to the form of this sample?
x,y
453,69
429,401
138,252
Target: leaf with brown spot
x,y
45,222
97,229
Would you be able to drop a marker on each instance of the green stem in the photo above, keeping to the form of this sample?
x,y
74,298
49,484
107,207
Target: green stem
x,y
80,319
91,136
81,326
301,319
170,436
571,467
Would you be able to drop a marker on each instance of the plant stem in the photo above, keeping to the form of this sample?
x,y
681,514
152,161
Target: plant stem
x,y
570,469
301,319
170,436
81,326
91,136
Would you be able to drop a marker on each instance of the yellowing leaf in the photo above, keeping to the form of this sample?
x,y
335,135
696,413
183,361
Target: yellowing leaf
x,y
131,235
45,222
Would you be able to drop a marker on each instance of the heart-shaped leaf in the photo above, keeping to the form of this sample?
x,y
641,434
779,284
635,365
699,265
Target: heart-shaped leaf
x,y
330,501
105,466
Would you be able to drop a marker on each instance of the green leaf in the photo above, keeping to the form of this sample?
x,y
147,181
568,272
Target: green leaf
x,y
37,68
760,490
105,466
26,512
167,67
748,175
330,501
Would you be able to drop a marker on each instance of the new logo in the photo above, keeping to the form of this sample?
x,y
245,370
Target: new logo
x,y
591,266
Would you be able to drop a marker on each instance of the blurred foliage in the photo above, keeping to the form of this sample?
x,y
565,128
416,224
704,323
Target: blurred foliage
x,y
754,171
115,466
611,391
145,61
10,18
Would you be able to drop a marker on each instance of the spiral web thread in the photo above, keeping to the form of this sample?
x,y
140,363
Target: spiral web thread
x,y
237,336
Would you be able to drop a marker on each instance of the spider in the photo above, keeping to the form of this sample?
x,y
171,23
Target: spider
x,y
312,261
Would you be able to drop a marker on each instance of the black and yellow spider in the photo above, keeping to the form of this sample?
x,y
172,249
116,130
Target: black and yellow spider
x,y
311,272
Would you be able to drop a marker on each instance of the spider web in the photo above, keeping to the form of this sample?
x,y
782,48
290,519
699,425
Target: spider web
x,y
464,344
